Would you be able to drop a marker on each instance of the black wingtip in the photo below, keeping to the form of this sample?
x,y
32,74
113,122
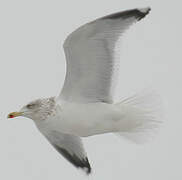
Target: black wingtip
x,y
137,13
88,167
85,165
143,12
78,162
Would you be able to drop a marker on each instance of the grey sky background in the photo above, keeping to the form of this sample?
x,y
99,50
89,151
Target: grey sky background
x,y
32,65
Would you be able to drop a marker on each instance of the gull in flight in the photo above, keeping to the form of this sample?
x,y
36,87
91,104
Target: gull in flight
x,y
85,107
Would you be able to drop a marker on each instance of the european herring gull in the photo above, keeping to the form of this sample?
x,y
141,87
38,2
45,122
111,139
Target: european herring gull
x,y
85,105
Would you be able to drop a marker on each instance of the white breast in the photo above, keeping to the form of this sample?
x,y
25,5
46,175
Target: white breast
x,y
83,119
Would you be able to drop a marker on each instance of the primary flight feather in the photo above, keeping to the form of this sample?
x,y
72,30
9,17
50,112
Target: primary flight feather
x,y
84,106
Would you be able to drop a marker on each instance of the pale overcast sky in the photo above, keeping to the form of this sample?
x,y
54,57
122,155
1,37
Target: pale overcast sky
x,y
33,66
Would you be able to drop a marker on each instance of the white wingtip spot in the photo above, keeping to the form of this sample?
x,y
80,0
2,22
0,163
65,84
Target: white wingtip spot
x,y
145,10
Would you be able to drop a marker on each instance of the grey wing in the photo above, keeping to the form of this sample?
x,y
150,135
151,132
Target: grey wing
x,y
91,56
71,148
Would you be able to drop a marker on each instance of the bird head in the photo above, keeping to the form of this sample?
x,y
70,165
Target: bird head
x,y
39,109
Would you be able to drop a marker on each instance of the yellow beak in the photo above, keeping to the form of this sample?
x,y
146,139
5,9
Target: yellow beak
x,y
14,114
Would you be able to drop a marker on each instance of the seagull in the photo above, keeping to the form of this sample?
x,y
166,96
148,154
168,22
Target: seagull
x,y
85,105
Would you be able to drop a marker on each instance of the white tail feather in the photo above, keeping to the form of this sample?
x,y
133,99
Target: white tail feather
x,y
144,116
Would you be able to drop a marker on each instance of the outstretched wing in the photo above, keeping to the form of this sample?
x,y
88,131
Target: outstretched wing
x,y
71,148
91,57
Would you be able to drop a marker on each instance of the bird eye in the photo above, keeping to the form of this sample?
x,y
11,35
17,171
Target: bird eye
x,y
30,105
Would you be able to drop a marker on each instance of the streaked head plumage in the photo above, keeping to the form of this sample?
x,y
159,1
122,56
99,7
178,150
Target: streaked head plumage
x,y
36,110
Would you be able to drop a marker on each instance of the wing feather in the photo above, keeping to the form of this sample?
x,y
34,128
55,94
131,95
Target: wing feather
x,y
90,52
71,148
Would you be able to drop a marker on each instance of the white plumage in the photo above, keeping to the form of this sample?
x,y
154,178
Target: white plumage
x,y
84,106
90,56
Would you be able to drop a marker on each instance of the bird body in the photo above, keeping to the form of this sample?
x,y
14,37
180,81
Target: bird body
x,y
85,105
82,119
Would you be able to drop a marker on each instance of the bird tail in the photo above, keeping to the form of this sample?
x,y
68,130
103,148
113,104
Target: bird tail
x,y
142,116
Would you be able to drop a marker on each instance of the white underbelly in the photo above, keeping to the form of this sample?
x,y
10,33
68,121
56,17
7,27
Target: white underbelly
x,y
85,120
